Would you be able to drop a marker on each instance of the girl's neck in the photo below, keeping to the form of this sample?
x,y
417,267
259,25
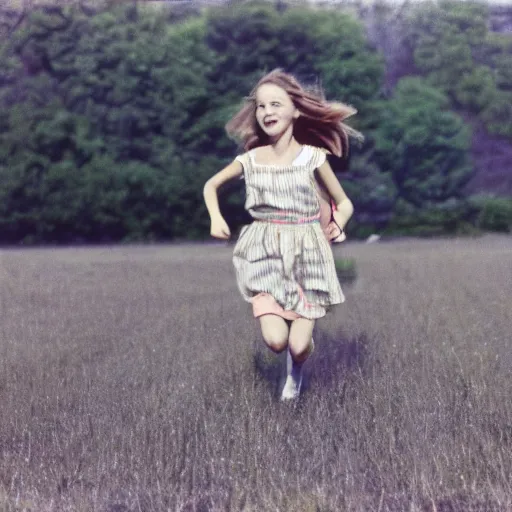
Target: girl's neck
x,y
285,144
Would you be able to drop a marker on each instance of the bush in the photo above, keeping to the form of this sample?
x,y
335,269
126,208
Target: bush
x,y
447,218
494,213
346,270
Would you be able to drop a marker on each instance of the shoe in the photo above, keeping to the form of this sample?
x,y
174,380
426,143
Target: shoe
x,y
291,389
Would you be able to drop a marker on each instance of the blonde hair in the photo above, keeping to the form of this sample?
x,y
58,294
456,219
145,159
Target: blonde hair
x,y
320,122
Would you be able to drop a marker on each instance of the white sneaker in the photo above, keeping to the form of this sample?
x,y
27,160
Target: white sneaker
x,y
291,389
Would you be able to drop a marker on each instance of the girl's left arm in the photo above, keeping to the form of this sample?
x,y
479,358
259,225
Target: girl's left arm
x,y
344,206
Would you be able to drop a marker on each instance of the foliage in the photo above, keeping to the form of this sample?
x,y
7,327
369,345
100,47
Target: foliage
x,y
494,213
453,217
346,270
90,151
324,49
373,193
113,117
455,51
424,146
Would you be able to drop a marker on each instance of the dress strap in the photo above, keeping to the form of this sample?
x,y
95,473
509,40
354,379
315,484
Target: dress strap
x,y
318,157
246,161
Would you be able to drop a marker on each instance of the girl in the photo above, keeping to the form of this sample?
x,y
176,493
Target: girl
x,y
283,262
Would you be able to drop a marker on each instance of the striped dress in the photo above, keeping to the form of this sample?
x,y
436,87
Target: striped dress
x,y
283,262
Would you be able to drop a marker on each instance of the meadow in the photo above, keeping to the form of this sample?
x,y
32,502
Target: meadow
x,y
134,378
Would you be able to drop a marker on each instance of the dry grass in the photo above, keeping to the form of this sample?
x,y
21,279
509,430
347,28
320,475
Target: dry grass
x,y
134,379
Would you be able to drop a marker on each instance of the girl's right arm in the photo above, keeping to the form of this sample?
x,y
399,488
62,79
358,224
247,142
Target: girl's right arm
x,y
219,227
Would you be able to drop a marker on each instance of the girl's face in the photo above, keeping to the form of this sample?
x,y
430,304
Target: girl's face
x,y
275,111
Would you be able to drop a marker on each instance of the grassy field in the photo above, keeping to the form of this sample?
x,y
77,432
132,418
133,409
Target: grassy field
x,y
135,379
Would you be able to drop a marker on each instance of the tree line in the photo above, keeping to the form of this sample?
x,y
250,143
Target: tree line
x,y
113,119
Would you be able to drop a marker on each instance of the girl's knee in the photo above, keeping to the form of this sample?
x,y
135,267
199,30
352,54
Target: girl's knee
x,y
274,330
300,349
275,342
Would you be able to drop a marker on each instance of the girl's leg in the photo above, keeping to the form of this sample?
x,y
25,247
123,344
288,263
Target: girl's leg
x,y
275,332
301,334
300,344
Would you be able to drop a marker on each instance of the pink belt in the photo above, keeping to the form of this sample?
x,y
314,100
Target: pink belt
x,y
303,220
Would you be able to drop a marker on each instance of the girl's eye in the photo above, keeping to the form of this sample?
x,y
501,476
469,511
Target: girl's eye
x,y
274,104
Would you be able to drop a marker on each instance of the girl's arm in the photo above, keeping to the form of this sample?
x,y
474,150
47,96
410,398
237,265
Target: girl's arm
x,y
343,205
219,227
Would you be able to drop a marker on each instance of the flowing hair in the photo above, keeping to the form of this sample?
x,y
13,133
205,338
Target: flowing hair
x,y
320,122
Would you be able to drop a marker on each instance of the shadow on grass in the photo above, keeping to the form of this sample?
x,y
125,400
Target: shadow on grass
x,y
334,358
270,367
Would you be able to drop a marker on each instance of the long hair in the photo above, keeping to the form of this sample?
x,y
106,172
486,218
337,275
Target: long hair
x,y
320,122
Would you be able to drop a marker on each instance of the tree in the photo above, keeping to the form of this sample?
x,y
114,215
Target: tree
x,y
373,193
456,53
425,147
97,141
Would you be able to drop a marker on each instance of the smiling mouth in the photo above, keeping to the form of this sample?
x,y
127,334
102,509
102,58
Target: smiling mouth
x,y
268,124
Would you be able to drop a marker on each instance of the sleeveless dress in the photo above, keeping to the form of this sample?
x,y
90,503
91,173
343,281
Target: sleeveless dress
x,y
283,261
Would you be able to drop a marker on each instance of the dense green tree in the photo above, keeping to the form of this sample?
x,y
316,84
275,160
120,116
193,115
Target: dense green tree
x,y
95,143
113,118
477,89
40,159
373,193
455,51
425,147
322,48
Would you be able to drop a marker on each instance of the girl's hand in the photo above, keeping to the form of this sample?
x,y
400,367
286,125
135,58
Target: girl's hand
x,y
220,229
336,233
340,238
332,231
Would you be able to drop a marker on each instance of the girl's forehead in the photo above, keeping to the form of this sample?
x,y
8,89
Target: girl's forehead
x,y
270,92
